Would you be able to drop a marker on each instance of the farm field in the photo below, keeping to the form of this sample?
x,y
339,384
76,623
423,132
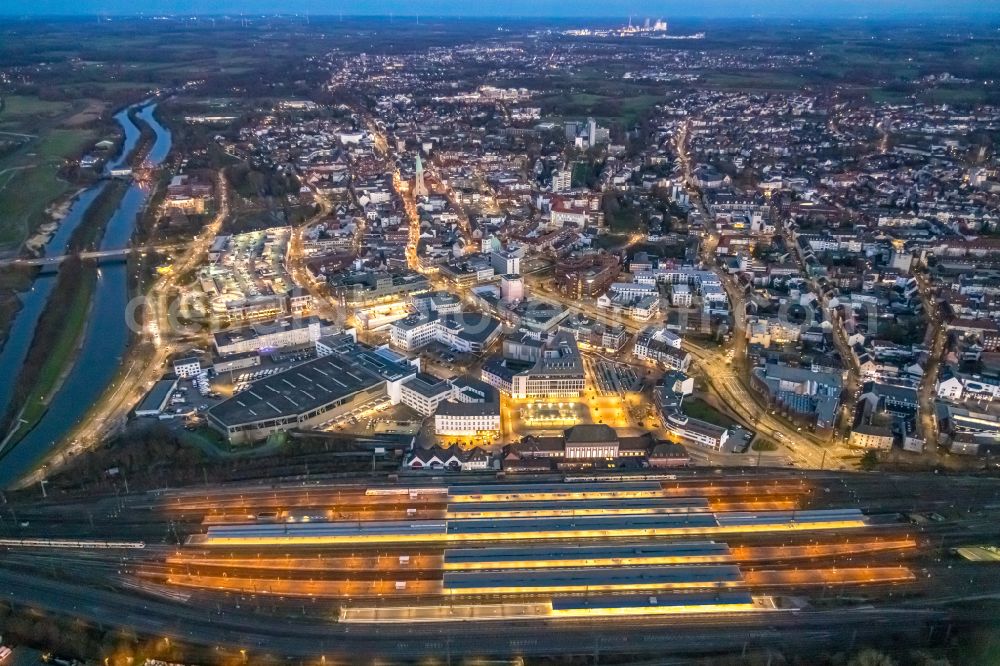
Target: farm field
x,y
37,145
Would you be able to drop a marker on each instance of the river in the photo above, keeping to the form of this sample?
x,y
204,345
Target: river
x,y
106,335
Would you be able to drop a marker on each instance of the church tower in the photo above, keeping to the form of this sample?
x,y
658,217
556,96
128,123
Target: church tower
x,y
419,187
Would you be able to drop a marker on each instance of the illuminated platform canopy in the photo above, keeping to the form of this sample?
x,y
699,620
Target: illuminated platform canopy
x,y
554,491
541,508
548,556
452,531
591,579
723,602
564,607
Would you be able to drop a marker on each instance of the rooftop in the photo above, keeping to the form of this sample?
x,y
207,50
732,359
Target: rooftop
x,y
703,575
561,356
428,385
253,331
310,385
557,552
588,433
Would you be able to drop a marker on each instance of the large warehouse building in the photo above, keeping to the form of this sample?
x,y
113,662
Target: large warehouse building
x,y
312,393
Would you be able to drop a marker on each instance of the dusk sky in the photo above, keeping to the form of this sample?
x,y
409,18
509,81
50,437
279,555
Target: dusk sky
x,y
527,8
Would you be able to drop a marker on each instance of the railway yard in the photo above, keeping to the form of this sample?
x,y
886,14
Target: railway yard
x,y
397,569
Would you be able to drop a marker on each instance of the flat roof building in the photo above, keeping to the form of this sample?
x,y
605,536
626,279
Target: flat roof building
x,y
695,430
156,400
364,288
311,393
423,393
473,411
814,396
558,371
469,332
263,337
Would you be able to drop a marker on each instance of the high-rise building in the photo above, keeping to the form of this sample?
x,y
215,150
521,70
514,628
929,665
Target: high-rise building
x,y
507,261
562,180
511,288
419,187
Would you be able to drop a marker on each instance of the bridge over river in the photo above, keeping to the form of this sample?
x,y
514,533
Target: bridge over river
x,y
119,253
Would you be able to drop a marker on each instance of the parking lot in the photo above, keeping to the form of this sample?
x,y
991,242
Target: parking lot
x,y
361,414
610,378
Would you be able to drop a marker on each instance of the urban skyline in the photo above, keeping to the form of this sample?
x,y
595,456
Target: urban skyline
x,y
897,10
395,340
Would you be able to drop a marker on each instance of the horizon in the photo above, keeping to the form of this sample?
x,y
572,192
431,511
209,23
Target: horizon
x,y
589,10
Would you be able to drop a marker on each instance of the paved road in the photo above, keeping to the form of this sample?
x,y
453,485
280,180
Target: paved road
x,y
928,427
145,366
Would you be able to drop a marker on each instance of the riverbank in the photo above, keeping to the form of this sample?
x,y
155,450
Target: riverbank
x,y
107,342
13,280
62,323
57,212
95,220
60,333
139,368
146,138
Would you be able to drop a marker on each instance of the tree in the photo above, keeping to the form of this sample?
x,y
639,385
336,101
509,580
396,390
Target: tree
x,y
869,460
870,657
764,445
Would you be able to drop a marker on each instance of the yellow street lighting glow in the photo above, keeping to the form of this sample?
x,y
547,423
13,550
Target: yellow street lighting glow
x,y
594,562
443,536
560,513
536,610
556,495
656,610
616,587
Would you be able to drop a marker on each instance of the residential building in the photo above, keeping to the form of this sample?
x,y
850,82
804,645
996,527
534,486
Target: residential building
x,y
187,367
657,344
587,275
869,436
562,180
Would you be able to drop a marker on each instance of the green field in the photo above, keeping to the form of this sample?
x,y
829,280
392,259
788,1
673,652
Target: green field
x,y
20,110
29,182
12,280
58,144
624,108
701,410
29,176
764,445
23,201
